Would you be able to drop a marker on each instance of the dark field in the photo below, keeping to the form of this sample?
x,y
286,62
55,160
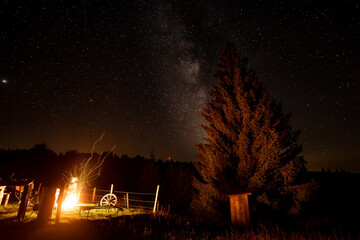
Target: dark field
x,y
171,227
332,213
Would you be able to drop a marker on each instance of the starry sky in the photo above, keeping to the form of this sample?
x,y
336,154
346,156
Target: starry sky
x,y
140,71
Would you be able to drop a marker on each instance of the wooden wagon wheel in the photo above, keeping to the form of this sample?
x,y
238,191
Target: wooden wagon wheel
x,y
108,200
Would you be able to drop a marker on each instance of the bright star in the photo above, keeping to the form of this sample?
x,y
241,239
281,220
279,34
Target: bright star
x,y
4,81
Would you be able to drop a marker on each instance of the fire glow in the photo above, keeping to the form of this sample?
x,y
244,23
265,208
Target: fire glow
x,y
70,202
71,199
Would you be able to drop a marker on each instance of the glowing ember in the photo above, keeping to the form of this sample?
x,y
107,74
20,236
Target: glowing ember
x,y
70,202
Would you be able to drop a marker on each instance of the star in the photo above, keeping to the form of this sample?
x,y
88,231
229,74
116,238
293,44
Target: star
x,y
144,71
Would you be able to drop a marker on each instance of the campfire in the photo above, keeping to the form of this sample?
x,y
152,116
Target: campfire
x,y
81,175
72,195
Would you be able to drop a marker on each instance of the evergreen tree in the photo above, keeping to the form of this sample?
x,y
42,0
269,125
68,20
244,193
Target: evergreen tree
x,y
178,187
250,145
149,175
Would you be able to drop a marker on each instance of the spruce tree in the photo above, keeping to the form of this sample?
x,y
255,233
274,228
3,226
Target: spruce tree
x,y
250,145
149,175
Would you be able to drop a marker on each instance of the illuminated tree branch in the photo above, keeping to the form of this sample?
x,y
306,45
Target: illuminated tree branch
x,y
87,171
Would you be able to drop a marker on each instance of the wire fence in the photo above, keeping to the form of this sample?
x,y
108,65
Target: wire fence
x,y
131,200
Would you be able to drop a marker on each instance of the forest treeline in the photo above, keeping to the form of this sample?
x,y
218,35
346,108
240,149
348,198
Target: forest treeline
x,y
133,174
336,199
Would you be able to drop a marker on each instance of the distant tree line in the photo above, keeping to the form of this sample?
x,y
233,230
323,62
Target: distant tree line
x,y
133,174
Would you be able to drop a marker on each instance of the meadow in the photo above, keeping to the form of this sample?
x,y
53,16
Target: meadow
x,y
134,224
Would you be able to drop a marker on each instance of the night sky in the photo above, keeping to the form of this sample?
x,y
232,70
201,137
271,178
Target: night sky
x,y
140,71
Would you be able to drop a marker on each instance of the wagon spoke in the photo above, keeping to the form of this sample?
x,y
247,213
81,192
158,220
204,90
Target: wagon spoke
x,y
108,200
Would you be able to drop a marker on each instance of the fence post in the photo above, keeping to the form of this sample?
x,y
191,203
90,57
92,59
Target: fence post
x,y
78,197
127,200
59,204
156,197
7,199
2,189
46,204
93,196
38,194
39,188
24,201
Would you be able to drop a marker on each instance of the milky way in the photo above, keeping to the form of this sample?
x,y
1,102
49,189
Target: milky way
x,y
141,71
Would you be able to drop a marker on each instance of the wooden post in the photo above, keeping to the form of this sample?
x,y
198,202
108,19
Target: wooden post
x,y
127,200
93,196
46,204
2,189
6,199
38,194
156,197
24,201
111,189
239,208
20,189
59,204
39,188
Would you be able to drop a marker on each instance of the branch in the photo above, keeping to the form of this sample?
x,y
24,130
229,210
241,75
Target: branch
x,y
84,172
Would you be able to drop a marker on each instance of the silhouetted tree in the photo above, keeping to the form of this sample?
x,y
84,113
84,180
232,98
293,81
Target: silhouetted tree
x,y
43,163
149,175
178,187
250,145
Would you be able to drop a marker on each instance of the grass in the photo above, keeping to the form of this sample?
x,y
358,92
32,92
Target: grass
x,y
95,214
9,213
131,224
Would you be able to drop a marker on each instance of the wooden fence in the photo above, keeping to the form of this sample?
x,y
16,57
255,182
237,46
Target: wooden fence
x,y
131,200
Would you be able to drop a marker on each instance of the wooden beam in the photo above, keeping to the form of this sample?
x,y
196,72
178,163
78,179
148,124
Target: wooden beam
x,y
93,196
156,197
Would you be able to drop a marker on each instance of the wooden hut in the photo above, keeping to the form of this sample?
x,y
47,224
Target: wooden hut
x,y
239,208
